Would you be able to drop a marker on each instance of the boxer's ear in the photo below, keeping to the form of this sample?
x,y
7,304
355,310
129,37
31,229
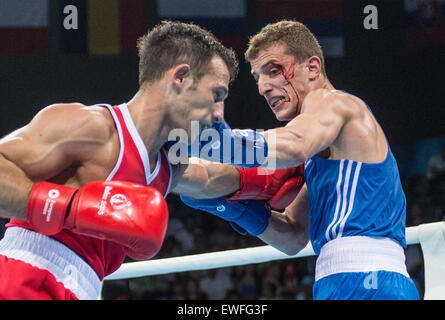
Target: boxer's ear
x,y
314,66
180,73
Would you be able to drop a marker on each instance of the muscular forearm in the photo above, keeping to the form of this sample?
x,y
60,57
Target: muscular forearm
x,y
289,231
206,180
285,149
222,180
14,190
283,235
305,136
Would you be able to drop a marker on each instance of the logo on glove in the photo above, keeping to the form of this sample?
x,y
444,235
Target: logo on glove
x,y
53,194
119,201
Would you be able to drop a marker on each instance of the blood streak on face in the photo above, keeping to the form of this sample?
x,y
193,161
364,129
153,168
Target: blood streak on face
x,y
288,75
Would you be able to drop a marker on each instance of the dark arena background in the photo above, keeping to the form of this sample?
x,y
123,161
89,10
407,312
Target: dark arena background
x,y
394,60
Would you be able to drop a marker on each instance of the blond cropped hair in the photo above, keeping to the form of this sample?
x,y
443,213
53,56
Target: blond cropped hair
x,y
297,38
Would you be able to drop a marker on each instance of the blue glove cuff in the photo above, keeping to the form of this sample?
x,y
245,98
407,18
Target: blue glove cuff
x,y
250,215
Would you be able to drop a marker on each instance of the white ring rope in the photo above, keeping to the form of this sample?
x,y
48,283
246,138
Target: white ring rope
x,y
220,259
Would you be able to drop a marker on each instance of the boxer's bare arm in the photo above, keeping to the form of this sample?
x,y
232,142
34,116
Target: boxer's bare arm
x,y
315,129
56,138
203,179
289,231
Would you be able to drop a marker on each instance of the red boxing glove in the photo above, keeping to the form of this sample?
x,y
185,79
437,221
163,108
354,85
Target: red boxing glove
x,y
287,193
132,215
279,186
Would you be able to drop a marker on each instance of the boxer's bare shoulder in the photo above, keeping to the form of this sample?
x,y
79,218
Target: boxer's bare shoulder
x,y
359,137
57,137
72,120
332,101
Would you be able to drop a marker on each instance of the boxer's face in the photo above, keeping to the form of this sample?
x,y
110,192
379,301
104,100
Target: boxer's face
x,y
281,81
203,100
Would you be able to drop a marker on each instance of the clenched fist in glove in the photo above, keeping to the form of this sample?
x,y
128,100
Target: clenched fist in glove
x,y
279,187
132,215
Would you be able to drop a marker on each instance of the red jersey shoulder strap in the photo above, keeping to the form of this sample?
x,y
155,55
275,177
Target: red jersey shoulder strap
x,y
133,162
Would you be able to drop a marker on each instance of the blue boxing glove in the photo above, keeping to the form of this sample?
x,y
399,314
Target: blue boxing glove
x,y
250,216
241,147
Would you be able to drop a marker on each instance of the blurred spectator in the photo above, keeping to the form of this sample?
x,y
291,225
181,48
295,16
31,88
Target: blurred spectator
x,y
176,291
305,290
417,190
201,243
415,215
232,241
192,291
248,286
414,266
286,294
216,283
139,287
273,274
268,291
218,236
186,235
116,290
290,281
174,225
436,165
170,248
436,177
232,295
148,288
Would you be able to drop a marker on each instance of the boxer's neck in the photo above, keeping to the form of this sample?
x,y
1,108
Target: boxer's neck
x,y
147,111
321,83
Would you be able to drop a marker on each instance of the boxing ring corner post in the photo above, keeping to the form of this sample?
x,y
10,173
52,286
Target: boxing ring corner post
x,y
431,237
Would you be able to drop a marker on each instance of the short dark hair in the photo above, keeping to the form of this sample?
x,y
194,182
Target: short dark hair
x,y
171,43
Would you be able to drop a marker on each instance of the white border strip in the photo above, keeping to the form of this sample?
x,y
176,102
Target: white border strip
x,y
134,134
121,141
351,199
337,204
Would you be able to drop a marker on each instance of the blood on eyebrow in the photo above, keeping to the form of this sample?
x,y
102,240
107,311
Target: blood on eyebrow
x,y
287,74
